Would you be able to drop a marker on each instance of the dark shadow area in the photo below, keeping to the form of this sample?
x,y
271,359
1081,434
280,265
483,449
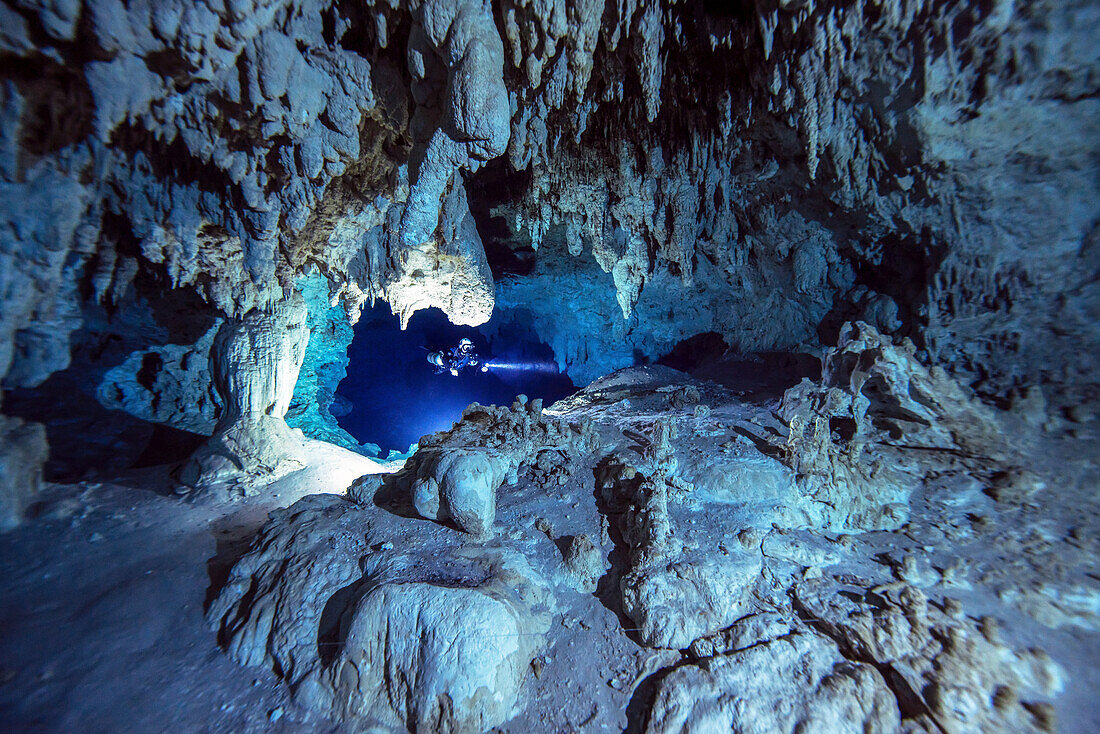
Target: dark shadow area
x,y
394,500
231,543
168,445
763,376
395,395
762,445
88,441
695,351
641,700
508,252
609,491
331,629
757,377
562,542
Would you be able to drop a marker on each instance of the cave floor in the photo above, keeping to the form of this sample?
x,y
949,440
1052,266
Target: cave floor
x,y
102,600
102,596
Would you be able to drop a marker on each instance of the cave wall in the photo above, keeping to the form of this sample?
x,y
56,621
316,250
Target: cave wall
x,y
761,170
935,157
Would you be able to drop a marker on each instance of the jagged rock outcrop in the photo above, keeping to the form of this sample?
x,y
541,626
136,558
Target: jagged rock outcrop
x,y
851,438
584,562
947,669
675,596
169,384
455,475
798,682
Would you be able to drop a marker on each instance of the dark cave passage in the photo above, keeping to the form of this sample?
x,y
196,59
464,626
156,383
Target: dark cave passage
x,y
392,396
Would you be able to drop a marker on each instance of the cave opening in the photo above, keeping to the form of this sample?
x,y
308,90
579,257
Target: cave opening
x,y
392,395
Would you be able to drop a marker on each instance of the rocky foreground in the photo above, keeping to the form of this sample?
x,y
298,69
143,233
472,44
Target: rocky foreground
x,y
870,552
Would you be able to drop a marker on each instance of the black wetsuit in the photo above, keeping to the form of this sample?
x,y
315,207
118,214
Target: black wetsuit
x,y
457,359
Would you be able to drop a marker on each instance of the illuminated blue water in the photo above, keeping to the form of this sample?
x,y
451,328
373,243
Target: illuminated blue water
x,y
394,395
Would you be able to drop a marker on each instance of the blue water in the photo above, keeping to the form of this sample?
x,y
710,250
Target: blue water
x,y
395,396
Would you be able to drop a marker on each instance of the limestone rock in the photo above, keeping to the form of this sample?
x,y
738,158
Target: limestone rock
x,y
745,632
23,451
255,363
584,562
944,664
680,602
800,682
296,565
431,657
461,486
850,436
168,384
674,596
906,398
455,474
430,636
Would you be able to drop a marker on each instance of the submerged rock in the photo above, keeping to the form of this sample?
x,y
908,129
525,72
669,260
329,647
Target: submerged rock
x,y
856,439
425,656
431,635
460,485
584,562
677,604
799,682
455,475
947,672
255,362
378,612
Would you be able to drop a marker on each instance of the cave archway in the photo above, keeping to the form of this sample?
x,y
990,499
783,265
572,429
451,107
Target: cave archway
x,y
392,396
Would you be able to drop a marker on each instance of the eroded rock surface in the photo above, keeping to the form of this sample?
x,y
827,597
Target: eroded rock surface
x,y
455,475
431,657
436,635
906,189
255,362
955,675
799,682
707,601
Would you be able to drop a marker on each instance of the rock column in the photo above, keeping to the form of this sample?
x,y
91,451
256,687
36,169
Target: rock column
x,y
255,362
23,451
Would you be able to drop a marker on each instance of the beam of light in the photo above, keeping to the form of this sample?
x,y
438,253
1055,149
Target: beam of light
x,y
545,367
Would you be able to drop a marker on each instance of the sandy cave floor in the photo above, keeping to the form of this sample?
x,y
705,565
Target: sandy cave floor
x,y
101,607
102,596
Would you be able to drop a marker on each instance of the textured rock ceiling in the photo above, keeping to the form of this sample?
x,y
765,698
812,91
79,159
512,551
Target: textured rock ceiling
x,y
198,198
761,170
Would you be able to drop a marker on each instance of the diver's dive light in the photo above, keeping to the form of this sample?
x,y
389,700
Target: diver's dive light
x,y
526,366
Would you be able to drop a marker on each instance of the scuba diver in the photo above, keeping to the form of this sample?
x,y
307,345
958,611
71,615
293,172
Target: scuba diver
x,y
461,356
